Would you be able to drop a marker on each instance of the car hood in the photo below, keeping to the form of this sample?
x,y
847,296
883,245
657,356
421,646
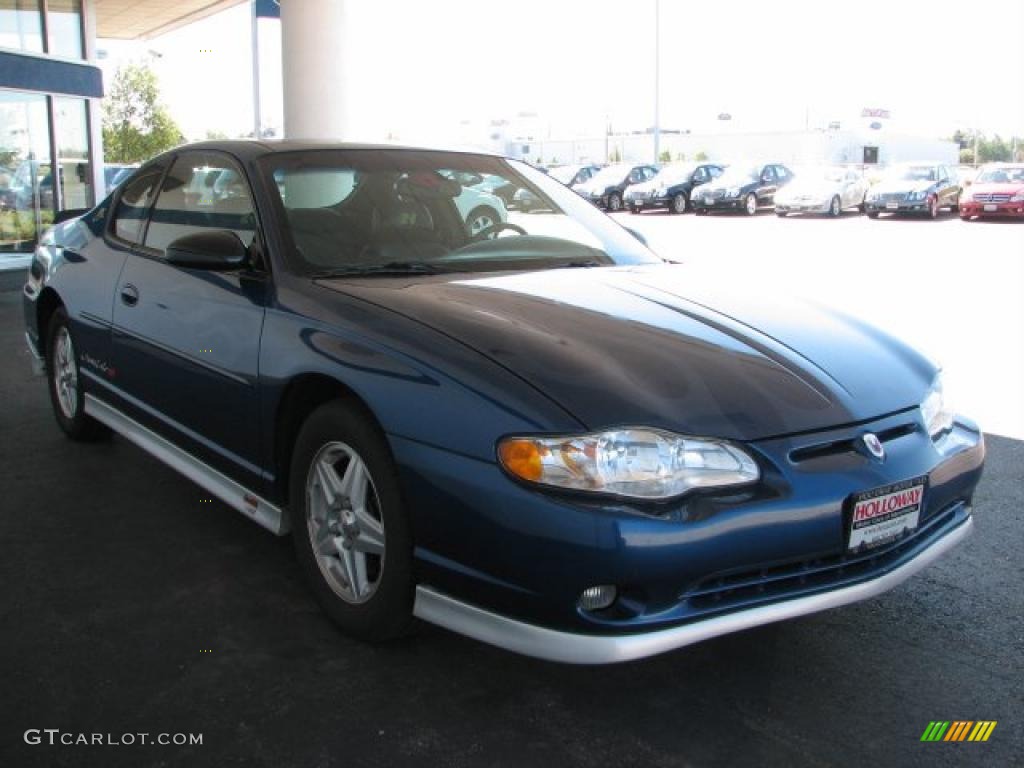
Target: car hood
x,y
896,185
724,184
816,188
996,188
653,346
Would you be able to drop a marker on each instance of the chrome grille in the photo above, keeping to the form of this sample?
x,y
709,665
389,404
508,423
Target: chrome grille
x,y
992,197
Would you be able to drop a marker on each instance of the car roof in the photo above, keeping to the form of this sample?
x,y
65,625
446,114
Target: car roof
x,y
250,149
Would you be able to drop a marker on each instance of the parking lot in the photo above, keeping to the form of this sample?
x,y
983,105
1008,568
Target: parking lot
x,y
130,605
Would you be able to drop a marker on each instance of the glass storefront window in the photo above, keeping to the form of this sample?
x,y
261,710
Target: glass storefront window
x,y
26,173
64,27
21,25
71,130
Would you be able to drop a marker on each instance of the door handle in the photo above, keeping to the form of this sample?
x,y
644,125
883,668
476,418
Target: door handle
x,y
129,295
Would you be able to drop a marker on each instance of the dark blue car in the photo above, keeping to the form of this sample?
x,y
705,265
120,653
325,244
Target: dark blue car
x,y
539,434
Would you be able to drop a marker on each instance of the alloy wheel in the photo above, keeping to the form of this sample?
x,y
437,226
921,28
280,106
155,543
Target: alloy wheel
x,y
65,375
344,522
751,204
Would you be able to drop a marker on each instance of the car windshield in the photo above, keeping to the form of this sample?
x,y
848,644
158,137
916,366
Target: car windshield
x,y
912,173
1002,175
673,174
384,211
565,173
613,174
740,175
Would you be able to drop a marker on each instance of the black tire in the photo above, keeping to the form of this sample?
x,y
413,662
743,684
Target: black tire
x,y
872,214
679,203
634,210
74,421
387,612
478,215
862,207
750,208
933,207
781,214
835,208
614,202
700,211
955,205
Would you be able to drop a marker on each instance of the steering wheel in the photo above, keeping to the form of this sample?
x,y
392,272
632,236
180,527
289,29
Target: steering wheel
x,y
494,229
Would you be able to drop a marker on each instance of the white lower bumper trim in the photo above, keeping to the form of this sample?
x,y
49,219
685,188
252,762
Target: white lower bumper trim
x,y
570,648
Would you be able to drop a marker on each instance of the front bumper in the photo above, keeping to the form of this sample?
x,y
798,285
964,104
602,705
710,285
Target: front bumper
x,y
718,204
644,203
1013,210
699,567
900,206
570,648
820,206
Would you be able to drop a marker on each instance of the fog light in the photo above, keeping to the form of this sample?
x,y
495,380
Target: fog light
x,y
596,598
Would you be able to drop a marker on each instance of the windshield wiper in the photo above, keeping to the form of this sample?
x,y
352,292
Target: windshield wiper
x,y
578,264
388,268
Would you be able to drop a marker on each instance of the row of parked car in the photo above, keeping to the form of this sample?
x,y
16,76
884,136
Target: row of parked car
x,y
703,187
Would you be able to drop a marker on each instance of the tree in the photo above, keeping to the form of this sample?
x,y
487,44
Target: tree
x,y
702,155
665,156
136,125
216,135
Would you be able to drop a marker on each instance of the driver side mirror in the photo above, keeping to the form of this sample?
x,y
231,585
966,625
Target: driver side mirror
x,y
218,250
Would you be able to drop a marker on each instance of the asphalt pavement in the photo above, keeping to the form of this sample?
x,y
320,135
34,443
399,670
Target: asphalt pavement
x,y
130,605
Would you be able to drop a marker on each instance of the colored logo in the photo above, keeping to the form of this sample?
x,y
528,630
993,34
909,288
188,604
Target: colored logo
x,y
959,730
874,446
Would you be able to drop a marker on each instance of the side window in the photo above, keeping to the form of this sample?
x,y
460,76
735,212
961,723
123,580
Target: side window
x,y
203,191
781,172
700,175
636,176
651,172
133,204
767,174
716,171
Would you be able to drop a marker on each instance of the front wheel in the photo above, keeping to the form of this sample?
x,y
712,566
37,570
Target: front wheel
x,y
614,202
350,528
480,218
872,214
66,393
835,207
750,204
933,207
679,203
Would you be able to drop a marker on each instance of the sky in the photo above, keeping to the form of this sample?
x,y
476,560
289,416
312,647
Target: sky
x,y
440,69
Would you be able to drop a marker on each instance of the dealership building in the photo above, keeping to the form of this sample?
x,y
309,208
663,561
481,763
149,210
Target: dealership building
x,y
51,153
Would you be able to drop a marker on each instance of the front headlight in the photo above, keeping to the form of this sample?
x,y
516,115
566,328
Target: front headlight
x,y
637,462
732,192
937,416
917,195
1019,197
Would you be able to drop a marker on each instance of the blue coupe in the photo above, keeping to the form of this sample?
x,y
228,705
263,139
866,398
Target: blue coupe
x,y
538,434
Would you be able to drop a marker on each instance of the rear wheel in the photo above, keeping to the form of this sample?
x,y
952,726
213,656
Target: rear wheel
x,y
679,203
350,529
933,207
614,202
781,214
872,214
66,394
701,211
835,207
955,205
750,204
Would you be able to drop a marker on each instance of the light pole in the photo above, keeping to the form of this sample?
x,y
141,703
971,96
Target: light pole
x,y
657,80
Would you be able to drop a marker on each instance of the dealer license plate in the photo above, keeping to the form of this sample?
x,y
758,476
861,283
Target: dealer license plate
x,y
892,205
991,207
883,515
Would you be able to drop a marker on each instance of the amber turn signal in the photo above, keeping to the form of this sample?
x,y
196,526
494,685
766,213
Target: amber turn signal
x,y
522,458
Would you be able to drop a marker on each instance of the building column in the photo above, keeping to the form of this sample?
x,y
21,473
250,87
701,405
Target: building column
x,y
314,54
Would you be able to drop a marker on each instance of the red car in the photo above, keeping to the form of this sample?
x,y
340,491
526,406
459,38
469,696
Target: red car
x,y
998,191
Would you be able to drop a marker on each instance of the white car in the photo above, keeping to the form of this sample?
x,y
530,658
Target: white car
x,y
479,208
828,189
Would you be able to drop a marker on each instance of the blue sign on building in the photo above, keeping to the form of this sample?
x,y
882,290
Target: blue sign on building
x,y
268,9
